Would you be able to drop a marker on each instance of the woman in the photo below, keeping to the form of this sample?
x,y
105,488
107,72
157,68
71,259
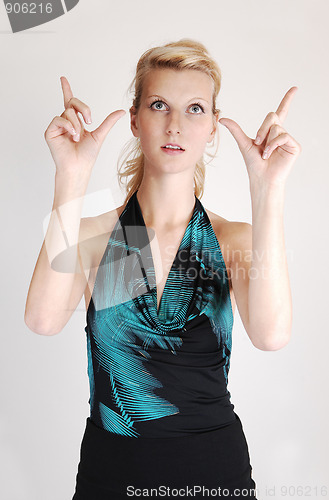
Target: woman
x,y
160,289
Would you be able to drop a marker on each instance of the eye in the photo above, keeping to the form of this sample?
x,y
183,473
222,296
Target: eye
x,y
197,105
156,102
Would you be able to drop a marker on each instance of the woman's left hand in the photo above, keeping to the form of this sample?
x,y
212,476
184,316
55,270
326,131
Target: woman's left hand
x,y
282,150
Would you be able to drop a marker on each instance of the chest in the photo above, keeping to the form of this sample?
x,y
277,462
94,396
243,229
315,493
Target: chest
x,y
164,246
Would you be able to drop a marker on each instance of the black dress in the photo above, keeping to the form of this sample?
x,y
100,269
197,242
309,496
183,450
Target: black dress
x,y
160,411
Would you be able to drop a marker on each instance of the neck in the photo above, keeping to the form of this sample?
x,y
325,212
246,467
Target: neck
x,y
165,205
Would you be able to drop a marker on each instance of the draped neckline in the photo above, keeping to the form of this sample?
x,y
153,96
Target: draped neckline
x,y
159,311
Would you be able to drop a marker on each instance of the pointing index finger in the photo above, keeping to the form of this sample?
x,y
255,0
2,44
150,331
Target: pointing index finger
x,y
67,92
283,107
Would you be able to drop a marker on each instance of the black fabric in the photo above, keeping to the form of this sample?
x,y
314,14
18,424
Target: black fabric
x,y
160,373
110,463
160,411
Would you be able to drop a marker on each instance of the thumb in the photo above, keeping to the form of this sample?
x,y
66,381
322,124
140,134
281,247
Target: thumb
x,y
101,132
241,138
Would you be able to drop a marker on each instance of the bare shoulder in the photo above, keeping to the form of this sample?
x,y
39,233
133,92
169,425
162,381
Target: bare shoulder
x,y
235,240
231,235
94,234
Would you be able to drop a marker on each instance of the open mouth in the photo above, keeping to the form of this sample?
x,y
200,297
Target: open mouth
x,y
172,147
172,151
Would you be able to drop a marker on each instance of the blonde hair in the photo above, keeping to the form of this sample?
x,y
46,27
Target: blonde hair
x,y
183,54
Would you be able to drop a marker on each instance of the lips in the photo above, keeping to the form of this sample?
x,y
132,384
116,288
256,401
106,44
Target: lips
x,y
174,146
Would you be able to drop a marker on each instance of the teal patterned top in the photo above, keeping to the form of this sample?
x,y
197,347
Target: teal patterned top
x,y
160,373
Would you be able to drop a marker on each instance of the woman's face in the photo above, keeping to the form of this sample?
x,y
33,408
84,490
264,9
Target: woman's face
x,y
176,108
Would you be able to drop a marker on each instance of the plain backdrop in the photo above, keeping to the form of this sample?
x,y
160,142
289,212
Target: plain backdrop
x,y
263,48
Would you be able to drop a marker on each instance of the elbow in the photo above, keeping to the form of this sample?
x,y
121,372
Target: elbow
x,y
273,342
38,328
272,337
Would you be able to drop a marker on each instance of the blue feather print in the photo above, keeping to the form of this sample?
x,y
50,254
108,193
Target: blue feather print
x,y
125,328
131,385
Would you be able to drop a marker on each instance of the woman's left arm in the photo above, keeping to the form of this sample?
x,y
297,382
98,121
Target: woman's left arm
x,y
264,294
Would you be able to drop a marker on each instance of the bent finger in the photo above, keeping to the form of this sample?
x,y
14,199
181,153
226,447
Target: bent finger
x,y
291,146
59,124
80,107
270,119
71,115
275,131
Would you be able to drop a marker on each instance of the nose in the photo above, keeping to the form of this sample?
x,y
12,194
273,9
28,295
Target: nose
x,y
173,126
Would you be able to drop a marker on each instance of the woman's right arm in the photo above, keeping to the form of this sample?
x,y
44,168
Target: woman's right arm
x,y
60,277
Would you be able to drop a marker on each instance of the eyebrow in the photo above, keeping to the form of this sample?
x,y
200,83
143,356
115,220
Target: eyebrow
x,y
156,95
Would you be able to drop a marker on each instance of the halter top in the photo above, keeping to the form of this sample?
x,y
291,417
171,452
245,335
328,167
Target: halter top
x,y
160,372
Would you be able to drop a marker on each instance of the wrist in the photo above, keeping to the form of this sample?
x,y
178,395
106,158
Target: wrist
x,y
261,190
267,199
71,186
69,193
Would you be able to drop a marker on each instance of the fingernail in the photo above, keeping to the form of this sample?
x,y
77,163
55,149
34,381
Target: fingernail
x,y
76,137
89,120
266,149
257,140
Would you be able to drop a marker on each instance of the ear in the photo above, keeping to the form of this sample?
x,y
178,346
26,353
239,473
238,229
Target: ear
x,y
133,121
215,125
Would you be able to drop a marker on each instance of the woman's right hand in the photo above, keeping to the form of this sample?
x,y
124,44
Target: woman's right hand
x,y
71,152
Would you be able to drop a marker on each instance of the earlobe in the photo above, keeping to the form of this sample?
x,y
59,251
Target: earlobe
x,y
134,129
133,125
212,135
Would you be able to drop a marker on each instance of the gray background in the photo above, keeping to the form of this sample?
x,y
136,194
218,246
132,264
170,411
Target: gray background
x,y
263,48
